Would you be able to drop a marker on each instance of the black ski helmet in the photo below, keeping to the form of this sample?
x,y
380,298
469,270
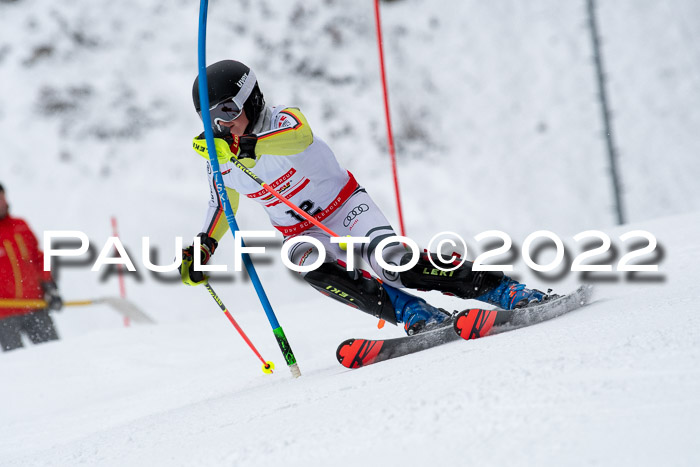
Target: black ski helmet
x,y
231,79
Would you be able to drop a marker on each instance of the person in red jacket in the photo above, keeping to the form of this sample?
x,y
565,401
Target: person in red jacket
x,y
22,276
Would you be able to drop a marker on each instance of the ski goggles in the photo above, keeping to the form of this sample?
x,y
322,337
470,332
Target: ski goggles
x,y
226,111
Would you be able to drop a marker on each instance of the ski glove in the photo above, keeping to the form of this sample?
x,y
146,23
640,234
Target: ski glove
x,y
206,249
228,147
51,296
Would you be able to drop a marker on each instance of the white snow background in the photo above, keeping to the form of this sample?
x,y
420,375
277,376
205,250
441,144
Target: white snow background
x,y
497,125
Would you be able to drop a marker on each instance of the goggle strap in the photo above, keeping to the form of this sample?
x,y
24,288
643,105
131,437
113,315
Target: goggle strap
x,y
245,91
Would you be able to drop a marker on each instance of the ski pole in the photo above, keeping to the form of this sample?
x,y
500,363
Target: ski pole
x,y
267,365
36,303
274,193
121,305
230,218
306,215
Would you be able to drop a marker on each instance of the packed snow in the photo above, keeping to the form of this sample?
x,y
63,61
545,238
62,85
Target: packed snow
x,y
498,127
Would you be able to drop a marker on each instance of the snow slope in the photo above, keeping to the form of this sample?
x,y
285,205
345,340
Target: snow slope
x,y
615,383
497,126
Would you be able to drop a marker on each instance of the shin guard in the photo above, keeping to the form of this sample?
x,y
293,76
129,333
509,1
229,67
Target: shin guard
x,y
355,288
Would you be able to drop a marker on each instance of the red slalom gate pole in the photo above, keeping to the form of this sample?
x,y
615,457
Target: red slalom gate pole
x,y
268,366
390,136
122,286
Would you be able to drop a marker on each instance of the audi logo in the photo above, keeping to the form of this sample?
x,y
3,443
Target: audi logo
x,y
356,211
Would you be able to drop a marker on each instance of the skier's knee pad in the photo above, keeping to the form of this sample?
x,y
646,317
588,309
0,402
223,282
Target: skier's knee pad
x,y
462,282
355,288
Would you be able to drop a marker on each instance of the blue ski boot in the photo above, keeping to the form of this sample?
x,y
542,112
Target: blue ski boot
x,y
416,314
510,294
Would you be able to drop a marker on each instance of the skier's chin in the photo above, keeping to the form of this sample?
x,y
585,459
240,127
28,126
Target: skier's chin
x,y
236,131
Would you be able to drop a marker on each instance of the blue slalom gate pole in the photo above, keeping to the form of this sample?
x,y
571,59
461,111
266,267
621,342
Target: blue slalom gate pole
x,y
209,135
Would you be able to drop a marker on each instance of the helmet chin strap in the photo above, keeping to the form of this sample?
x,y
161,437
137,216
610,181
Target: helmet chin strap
x,y
254,102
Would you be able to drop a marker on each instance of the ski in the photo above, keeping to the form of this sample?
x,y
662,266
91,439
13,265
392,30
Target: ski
x,y
475,323
468,324
355,353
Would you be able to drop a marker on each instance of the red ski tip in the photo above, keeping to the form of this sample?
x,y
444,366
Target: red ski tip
x,y
474,323
354,353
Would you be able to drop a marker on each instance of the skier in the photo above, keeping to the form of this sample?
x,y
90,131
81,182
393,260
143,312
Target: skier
x,y
22,277
278,145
